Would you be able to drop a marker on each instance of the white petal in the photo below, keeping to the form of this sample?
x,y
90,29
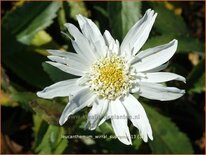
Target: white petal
x,y
138,117
58,53
135,88
57,59
108,38
106,116
154,57
71,70
159,92
80,44
111,43
78,102
100,50
119,122
97,112
83,52
92,33
138,34
157,69
69,62
83,80
116,47
159,77
60,89
70,56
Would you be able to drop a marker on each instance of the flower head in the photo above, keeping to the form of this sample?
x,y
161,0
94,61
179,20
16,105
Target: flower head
x,y
109,74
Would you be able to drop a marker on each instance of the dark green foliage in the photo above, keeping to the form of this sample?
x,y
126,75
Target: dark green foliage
x,y
30,29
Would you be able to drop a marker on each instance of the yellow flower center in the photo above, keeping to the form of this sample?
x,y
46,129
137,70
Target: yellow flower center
x,y
110,77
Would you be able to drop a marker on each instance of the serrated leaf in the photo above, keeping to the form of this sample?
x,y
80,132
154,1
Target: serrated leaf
x,y
185,44
167,137
25,25
123,15
167,21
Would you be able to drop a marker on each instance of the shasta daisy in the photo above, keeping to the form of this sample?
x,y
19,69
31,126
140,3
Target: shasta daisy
x,y
109,74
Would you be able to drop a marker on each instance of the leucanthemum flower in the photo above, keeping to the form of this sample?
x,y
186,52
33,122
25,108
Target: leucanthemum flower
x,y
109,74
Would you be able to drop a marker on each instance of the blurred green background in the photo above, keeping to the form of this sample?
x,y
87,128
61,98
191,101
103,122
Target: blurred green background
x,y
30,124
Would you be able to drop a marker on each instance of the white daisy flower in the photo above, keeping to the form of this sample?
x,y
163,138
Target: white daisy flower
x,y
108,75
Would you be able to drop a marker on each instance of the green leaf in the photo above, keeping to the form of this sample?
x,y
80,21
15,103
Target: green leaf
x,y
23,61
43,41
25,25
137,142
185,43
199,86
39,129
105,128
123,15
189,44
101,11
41,38
167,137
78,8
61,17
52,141
195,78
167,22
